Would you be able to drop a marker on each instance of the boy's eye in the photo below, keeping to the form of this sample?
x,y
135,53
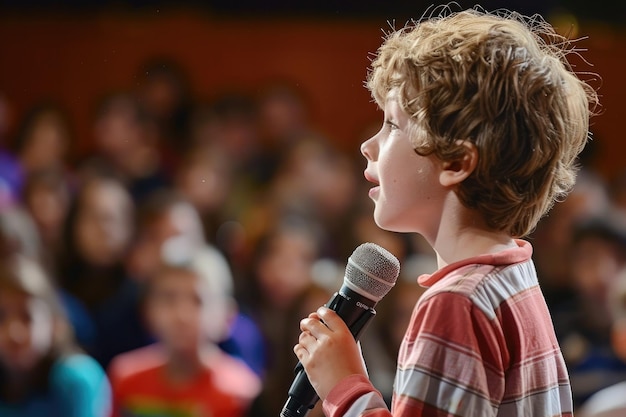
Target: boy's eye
x,y
391,125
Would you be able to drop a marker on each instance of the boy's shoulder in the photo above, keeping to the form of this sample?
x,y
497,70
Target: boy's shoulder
x,y
76,369
128,366
486,281
233,376
78,382
142,367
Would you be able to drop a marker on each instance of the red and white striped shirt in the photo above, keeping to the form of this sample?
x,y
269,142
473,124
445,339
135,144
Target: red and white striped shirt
x,y
480,343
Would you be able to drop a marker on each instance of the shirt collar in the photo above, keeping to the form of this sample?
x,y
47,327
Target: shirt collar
x,y
521,253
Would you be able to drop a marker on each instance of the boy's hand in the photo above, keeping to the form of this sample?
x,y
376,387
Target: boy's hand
x,y
327,351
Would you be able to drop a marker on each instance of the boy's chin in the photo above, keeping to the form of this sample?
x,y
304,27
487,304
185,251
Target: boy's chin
x,y
22,362
389,225
183,347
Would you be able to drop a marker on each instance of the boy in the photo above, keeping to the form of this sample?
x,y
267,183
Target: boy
x,y
483,122
165,217
185,374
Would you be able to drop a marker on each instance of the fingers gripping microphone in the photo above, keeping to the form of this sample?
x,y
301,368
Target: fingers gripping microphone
x,y
370,273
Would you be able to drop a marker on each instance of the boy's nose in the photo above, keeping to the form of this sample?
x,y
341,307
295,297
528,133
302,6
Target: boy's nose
x,y
367,149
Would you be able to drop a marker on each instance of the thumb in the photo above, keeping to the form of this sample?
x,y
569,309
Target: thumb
x,y
330,318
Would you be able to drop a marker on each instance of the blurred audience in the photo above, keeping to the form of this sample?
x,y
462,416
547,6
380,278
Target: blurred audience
x,y
245,183
11,175
125,141
583,323
279,279
232,124
611,401
42,372
205,178
168,222
283,118
46,196
163,91
316,181
188,308
96,239
43,141
552,238
18,233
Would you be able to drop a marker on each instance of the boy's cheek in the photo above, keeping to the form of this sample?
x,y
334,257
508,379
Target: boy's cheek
x,y
215,324
159,320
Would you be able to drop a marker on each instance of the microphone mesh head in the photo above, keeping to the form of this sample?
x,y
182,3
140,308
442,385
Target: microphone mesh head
x,y
372,271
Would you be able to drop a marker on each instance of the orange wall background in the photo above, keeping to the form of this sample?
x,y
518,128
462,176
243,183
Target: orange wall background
x,y
77,58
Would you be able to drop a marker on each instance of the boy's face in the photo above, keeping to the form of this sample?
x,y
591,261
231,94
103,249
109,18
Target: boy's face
x,y
103,228
26,330
408,194
595,266
117,132
174,223
183,312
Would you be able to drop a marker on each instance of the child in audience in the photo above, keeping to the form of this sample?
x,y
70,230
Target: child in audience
x,y
611,401
97,234
165,217
43,140
583,324
185,374
42,373
280,282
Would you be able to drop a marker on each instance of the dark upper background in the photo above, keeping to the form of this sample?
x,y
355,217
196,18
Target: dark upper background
x,y
604,10
76,51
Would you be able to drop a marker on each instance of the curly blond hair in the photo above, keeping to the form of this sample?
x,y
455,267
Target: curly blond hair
x,y
502,81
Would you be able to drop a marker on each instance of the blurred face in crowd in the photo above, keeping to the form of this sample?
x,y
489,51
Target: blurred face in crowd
x,y
282,115
104,224
184,312
48,207
325,176
26,330
595,266
161,94
205,181
180,220
285,269
46,144
117,131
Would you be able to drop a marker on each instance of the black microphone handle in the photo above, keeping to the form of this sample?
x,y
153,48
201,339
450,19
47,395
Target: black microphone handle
x,y
356,311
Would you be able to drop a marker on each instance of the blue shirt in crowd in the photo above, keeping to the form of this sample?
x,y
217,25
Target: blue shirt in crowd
x,y
78,387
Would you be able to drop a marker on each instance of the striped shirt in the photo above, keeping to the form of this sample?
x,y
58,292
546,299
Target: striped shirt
x,y
480,343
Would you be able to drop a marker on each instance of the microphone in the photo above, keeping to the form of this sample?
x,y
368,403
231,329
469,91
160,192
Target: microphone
x,y
371,272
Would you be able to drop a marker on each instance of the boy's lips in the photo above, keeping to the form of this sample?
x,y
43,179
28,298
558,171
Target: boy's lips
x,y
369,177
374,190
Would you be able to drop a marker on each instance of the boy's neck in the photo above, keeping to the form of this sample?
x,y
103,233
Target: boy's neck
x,y
465,236
184,366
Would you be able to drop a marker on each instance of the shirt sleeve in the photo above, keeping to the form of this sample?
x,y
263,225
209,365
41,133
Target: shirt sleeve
x,y
80,387
355,396
450,364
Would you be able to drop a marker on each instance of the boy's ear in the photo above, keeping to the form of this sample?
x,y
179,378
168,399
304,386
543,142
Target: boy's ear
x,y
456,171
